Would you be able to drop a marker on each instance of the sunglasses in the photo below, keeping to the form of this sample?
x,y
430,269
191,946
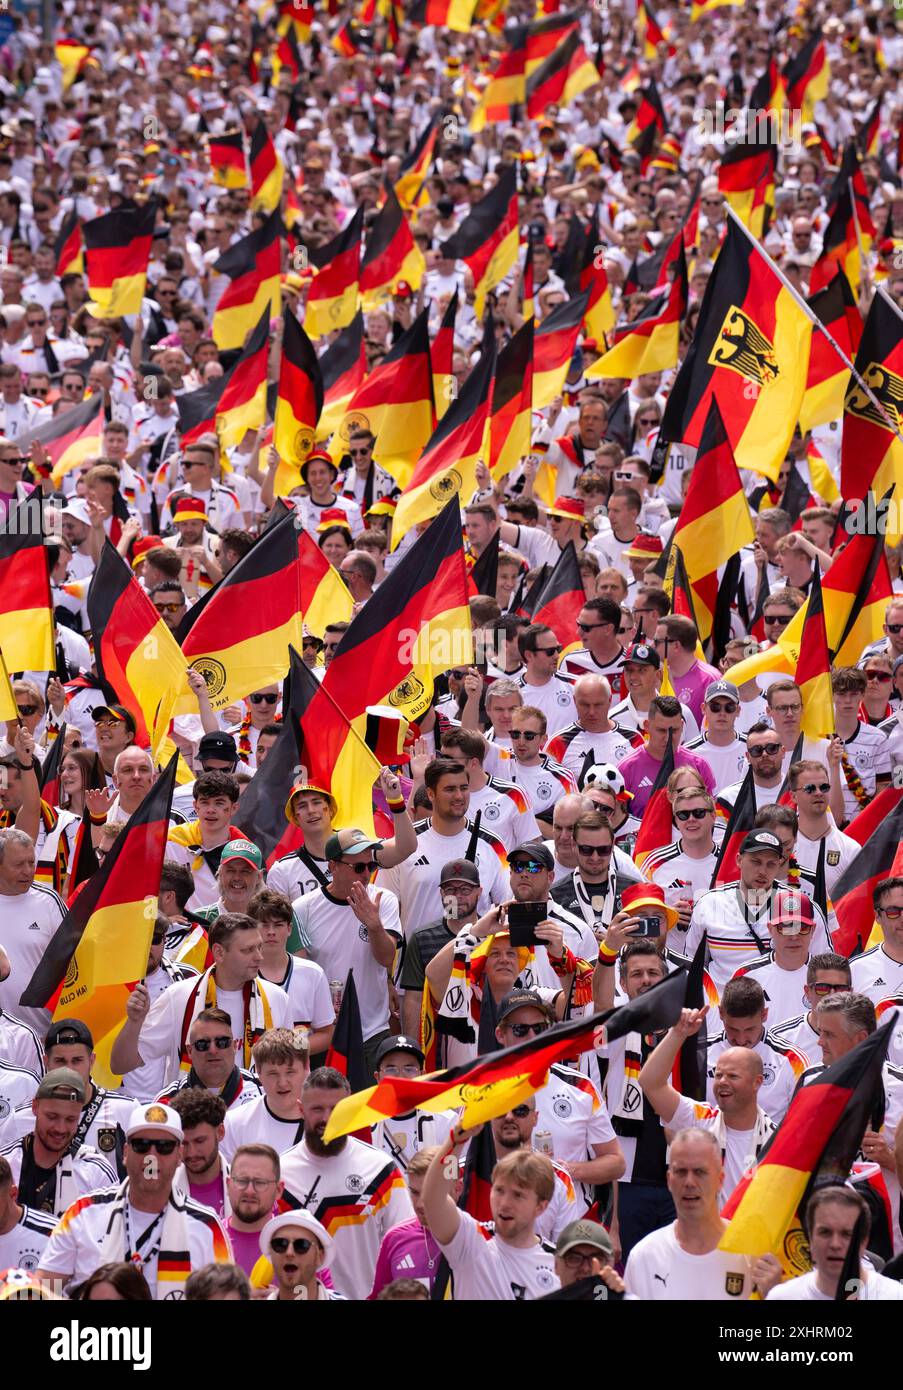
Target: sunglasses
x,y
358,453
893,627
362,868
525,866
520,1112
280,1244
600,851
588,627
26,710
168,607
722,707
627,476
17,461
794,928
769,748
220,1042
891,913
162,1146
823,988
457,675
883,677
108,723
697,813
645,420
812,787
36,323
263,699
551,651
523,1030
775,618
528,734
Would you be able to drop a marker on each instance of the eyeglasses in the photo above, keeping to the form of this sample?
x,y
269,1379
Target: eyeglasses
x,y
812,787
697,813
525,866
769,748
589,627
362,868
169,607
258,1184
27,710
786,709
891,913
280,1244
574,1260
893,627
523,1030
551,651
775,618
722,707
162,1146
358,453
263,699
600,851
883,677
528,735
221,1042
822,988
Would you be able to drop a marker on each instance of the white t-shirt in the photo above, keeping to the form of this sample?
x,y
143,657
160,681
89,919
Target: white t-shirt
x,y
545,783
804,1288
340,943
572,1119
740,1149
658,1268
555,699
489,1270
23,1246
415,882
307,988
727,763
256,1124
28,922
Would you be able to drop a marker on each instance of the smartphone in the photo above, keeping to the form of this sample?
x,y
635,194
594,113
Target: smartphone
x,y
523,919
647,926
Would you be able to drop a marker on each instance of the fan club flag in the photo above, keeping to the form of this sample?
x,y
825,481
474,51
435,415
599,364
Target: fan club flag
x,y
554,346
425,602
879,830
298,404
410,184
442,353
117,250
749,352
507,86
746,178
511,423
26,607
253,266
228,160
828,376
70,438
566,72
332,299
650,342
714,522
390,255
562,597
487,241
134,649
490,1085
101,947
871,454
242,405
395,403
815,1143
448,464
68,247
806,76
267,170
325,596
344,367
333,755
238,634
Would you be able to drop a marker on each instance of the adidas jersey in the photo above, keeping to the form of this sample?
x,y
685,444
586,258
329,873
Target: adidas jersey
x,y
781,1068
23,1246
840,851
104,1134
545,783
486,1268
403,1136
17,1088
255,1123
739,1148
29,921
727,764
583,663
571,745
249,1090
783,989
798,1035
678,874
876,974
506,810
358,1194
298,873
415,881
572,1120
868,752
564,1207
74,1176
555,699
737,933
20,1045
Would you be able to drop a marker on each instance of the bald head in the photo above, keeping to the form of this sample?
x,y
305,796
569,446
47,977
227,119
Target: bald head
x,y
592,696
735,1084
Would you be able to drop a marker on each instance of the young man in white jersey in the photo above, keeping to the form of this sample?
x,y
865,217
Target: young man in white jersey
x,y
826,973
835,1215
541,686
282,1065
719,743
544,780
782,974
743,1013
818,841
505,808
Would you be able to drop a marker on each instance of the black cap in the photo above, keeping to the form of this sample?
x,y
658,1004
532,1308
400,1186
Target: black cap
x,y
459,871
533,849
522,999
760,840
399,1043
118,712
218,746
643,654
69,1032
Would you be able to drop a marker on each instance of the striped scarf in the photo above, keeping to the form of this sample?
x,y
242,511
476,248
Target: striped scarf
x,y
627,1115
51,872
460,1010
258,1016
174,1256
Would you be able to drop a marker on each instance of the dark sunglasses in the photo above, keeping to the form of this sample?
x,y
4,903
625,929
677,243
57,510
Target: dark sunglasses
x,y
169,607
528,734
775,618
221,1042
280,1244
722,707
520,1112
523,1030
457,675
162,1146
584,627
551,651
769,748
822,988
893,627
600,851
812,787
26,710
525,866
697,813
880,676
17,461
362,868
263,699
358,453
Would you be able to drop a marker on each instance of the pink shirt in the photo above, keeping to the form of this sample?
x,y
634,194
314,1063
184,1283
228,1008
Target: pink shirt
x,y
691,687
640,771
407,1251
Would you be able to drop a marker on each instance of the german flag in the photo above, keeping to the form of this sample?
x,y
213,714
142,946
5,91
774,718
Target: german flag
x,y
228,160
390,255
868,132
346,1051
26,607
70,54
855,593
807,75
324,595
528,303
395,402
427,597
100,948
67,248
348,40
740,820
442,359
813,671
267,170
447,465
287,54
599,319
650,342
879,830
871,455
243,404
566,73
828,378
344,366
334,755
253,266
816,1142
701,8
298,404
491,1084
84,861
456,15
749,351
648,123
117,251
650,33
746,178
651,273
70,437
562,597
239,633
507,87
511,425
198,409
487,240
554,346
483,575
714,521
415,168
260,813
544,35
332,297
297,16
768,92
133,648
49,775
850,231
657,824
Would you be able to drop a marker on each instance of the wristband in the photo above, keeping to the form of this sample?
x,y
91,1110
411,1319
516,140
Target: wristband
x,y
606,954
396,805
97,820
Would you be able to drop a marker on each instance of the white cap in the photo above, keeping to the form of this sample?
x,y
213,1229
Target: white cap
x,y
296,1218
77,508
154,1116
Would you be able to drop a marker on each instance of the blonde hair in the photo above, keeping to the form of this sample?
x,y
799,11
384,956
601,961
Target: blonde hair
x,y
530,1169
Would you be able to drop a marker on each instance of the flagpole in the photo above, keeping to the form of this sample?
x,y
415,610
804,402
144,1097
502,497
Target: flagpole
x,y
816,321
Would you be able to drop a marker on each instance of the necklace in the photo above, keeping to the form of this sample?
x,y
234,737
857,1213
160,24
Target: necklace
x,y
430,1259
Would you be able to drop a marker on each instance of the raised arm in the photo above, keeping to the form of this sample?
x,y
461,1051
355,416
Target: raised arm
x,y
655,1078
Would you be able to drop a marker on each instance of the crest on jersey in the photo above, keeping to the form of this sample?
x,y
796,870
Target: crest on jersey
x,y
742,346
355,1183
733,1285
833,857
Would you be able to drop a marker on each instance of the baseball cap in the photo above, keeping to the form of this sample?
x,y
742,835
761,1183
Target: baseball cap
x,y
584,1233
218,746
77,509
349,842
533,849
641,654
117,712
727,689
761,840
459,871
791,909
307,1222
69,1031
399,1043
62,1084
154,1116
244,850
522,999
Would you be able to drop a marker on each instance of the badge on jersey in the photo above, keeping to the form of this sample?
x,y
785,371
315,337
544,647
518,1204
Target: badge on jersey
x,y
733,1285
106,1140
832,858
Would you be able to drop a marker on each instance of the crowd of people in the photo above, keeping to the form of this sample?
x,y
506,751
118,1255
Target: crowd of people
x,y
205,1174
